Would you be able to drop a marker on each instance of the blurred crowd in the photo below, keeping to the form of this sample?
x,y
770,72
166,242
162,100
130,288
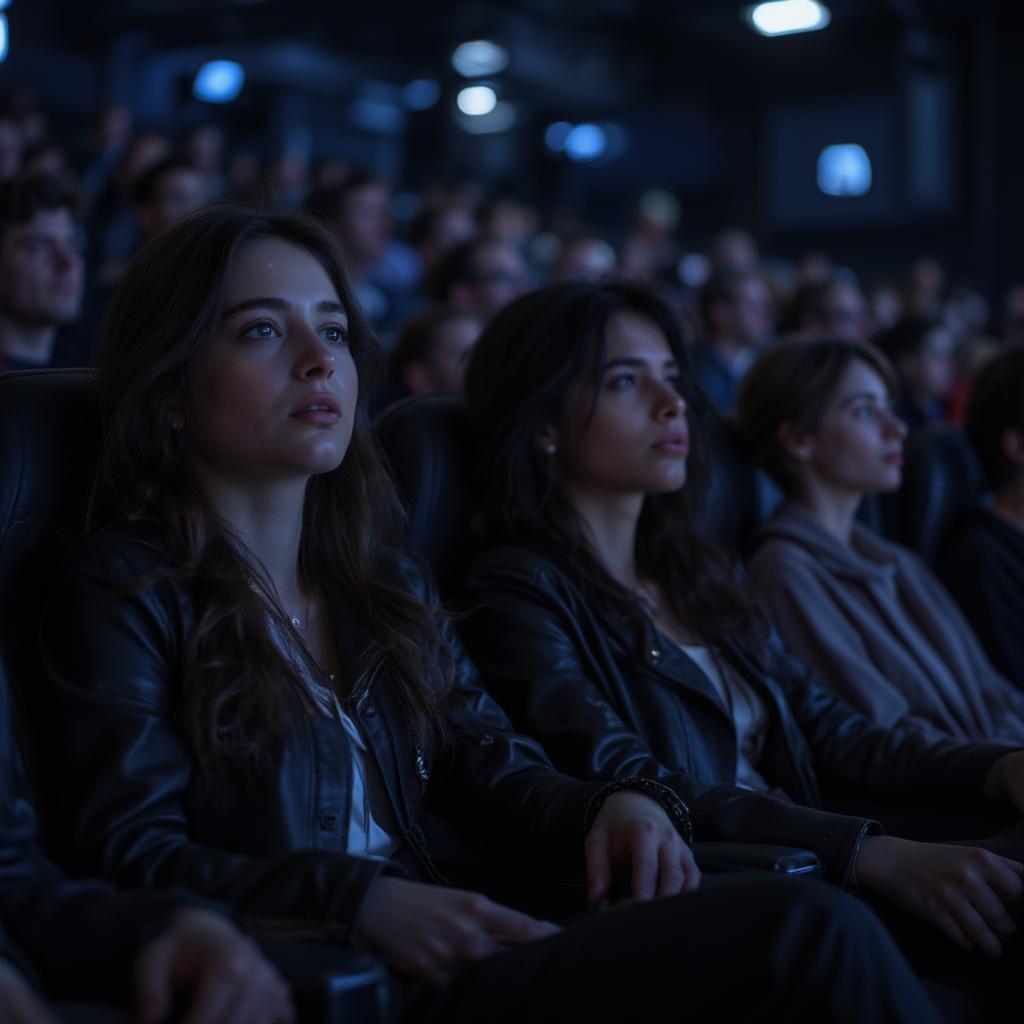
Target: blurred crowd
x,y
431,268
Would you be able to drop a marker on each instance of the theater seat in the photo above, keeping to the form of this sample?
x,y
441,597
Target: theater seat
x,y
48,445
941,480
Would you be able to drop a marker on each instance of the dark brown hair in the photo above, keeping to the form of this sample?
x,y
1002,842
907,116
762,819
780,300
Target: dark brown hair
x,y
996,405
241,694
793,381
521,372
25,195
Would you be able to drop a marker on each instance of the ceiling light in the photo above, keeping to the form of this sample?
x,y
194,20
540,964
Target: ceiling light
x,y
784,17
219,81
479,57
476,100
586,142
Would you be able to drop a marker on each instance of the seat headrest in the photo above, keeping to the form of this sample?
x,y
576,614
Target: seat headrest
x,y
427,442
941,480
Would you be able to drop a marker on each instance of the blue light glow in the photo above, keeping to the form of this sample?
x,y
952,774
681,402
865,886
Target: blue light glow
x,y
219,81
586,142
5,39
421,94
844,170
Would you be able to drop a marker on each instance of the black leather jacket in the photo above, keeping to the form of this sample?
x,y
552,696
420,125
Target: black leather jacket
x,y
78,938
276,846
607,699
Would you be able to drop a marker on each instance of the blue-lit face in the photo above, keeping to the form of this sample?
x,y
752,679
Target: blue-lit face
x,y
637,440
274,390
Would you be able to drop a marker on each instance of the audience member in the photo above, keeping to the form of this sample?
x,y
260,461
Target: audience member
x,y
866,615
738,319
41,272
439,229
834,306
922,351
266,696
11,144
432,350
79,939
583,258
168,191
621,639
480,276
983,562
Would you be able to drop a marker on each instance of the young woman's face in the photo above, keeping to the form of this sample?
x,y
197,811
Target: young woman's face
x,y
859,445
637,440
275,387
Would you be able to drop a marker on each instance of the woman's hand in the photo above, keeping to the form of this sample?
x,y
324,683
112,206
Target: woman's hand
x,y
961,889
633,827
227,978
427,931
18,1003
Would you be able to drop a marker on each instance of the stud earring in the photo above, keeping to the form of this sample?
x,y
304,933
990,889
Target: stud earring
x,y
550,448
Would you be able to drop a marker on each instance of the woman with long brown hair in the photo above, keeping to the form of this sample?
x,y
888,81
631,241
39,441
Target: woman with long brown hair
x,y
267,695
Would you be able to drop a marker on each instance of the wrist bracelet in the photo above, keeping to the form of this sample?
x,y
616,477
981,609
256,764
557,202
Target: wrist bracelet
x,y
671,804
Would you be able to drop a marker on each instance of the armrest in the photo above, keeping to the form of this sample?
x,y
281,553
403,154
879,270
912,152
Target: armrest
x,y
332,984
726,856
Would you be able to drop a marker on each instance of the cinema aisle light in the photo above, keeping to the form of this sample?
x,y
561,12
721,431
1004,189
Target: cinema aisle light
x,y
786,17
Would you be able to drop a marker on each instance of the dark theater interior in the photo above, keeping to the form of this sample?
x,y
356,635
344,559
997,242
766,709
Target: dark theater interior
x,y
511,511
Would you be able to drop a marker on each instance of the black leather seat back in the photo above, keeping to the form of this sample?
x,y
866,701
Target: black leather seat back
x,y
427,442
941,480
739,497
48,435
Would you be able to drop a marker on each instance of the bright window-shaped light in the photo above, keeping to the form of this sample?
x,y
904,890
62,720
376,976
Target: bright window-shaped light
x,y
5,41
586,142
219,81
844,170
784,17
479,57
476,100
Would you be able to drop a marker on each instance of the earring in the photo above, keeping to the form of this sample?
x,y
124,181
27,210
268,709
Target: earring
x,y
550,448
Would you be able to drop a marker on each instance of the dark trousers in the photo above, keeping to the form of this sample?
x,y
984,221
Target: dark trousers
x,y
743,947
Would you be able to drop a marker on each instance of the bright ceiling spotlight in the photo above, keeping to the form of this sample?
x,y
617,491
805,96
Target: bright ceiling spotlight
x,y
476,100
479,57
218,81
784,17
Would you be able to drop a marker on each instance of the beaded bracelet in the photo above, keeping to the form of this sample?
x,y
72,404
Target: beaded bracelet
x,y
677,811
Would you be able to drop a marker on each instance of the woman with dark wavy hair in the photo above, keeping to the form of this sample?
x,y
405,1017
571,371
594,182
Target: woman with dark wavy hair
x,y
267,696
614,633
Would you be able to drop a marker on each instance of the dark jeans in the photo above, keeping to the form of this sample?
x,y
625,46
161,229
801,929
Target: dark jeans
x,y
743,947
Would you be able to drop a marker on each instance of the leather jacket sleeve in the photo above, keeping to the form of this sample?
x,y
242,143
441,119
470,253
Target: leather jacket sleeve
x,y
110,651
527,635
498,782
79,938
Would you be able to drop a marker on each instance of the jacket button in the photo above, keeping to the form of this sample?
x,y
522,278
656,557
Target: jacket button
x,y
329,820
655,653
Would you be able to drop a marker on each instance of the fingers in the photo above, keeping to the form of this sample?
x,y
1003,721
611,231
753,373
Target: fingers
x,y
1007,875
599,869
153,981
672,876
977,930
644,854
510,926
